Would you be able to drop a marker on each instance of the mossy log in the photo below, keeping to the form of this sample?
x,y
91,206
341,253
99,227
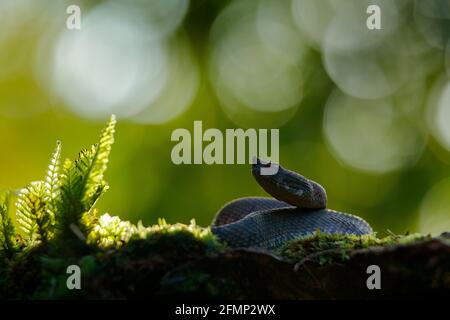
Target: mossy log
x,y
188,262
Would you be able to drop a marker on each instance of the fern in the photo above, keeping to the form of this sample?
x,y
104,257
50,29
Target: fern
x,y
82,181
32,213
7,231
93,183
52,183
36,205
69,207
63,202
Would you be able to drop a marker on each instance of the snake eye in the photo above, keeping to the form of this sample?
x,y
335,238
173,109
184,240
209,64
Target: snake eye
x,y
295,183
258,164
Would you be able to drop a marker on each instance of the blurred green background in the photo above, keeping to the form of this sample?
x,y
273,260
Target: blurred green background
x,y
364,112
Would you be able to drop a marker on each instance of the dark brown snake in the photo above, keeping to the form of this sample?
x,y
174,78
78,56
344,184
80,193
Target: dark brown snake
x,y
300,210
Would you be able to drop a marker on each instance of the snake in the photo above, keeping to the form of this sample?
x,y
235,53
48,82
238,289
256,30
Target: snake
x,y
296,209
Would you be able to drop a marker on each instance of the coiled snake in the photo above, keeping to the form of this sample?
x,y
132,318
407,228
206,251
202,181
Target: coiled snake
x,y
300,210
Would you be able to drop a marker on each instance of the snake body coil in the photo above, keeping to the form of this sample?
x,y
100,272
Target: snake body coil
x,y
268,223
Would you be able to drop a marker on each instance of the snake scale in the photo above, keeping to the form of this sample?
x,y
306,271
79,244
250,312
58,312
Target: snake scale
x,y
299,209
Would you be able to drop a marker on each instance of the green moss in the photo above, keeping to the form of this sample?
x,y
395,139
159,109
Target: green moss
x,y
61,227
327,248
113,233
114,247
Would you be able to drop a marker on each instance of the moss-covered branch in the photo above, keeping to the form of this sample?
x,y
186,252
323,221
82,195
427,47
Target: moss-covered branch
x,y
117,259
168,261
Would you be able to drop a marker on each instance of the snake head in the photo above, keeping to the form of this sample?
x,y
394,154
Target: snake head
x,y
265,169
291,187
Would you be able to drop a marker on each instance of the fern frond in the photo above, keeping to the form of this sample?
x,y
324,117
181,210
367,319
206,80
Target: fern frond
x,y
7,231
93,173
32,214
99,190
52,182
69,206
82,181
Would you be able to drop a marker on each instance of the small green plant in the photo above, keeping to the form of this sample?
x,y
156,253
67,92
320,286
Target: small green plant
x,y
61,207
59,226
80,184
8,243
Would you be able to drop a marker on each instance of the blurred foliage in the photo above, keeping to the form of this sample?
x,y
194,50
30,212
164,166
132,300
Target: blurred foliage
x,y
147,185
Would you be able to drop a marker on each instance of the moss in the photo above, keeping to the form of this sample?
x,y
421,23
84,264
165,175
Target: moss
x,y
114,247
328,248
118,259
165,260
112,232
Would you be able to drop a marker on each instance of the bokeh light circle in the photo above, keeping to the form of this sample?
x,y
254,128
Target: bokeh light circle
x,y
183,78
248,71
342,25
367,75
371,135
111,65
432,18
277,31
434,214
439,112
162,17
